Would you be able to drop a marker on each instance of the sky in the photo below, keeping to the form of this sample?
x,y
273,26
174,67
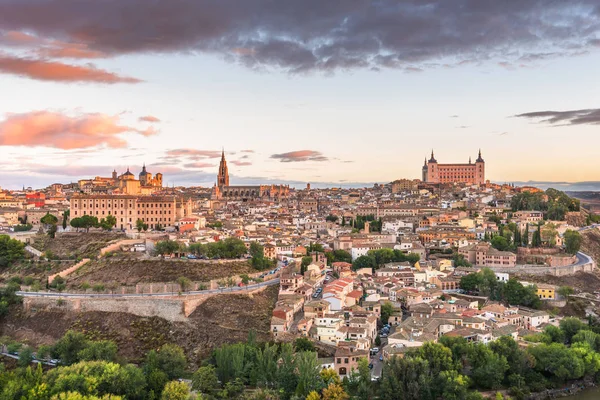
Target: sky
x,y
332,93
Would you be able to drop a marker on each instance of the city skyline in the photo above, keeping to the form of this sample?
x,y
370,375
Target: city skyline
x,y
343,95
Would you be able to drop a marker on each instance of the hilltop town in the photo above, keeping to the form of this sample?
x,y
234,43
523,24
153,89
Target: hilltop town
x,y
362,274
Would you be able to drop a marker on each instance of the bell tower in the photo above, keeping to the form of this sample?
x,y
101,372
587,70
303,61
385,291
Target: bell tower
x,y
223,175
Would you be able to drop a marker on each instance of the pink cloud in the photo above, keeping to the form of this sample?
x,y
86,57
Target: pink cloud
x,y
241,163
53,129
57,71
149,118
300,156
193,153
199,165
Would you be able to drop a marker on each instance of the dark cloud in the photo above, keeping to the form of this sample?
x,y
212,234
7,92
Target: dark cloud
x,y
299,36
574,117
300,156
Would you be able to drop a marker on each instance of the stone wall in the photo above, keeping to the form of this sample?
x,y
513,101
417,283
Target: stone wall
x,y
65,272
117,245
537,270
172,308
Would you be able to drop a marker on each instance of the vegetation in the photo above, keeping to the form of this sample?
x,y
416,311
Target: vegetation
x,y
572,240
338,256
49,222
8,297
376,258
140,225
167,247
86,222
22,227
555,207
11,250
227,249
512,292
258,260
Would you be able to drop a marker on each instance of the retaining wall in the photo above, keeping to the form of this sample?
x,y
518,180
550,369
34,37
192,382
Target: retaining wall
x,y
65,272
172,308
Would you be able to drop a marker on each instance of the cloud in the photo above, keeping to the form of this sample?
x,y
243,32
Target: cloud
x,y
149,118
299,156
199,165
61,131
315,35
59,72
574,117
241,163
193,153
69,50
247,151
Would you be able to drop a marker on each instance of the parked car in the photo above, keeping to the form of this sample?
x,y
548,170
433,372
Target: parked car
x,y
371,366
381,357
192,257
375,350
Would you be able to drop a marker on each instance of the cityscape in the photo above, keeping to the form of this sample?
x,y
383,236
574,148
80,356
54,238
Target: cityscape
x,y
259,200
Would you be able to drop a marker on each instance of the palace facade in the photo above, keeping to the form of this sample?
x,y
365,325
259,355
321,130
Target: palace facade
x,y
471,173
127,209
223,191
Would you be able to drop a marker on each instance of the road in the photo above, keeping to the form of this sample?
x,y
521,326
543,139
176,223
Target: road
x,y
377,364
168,294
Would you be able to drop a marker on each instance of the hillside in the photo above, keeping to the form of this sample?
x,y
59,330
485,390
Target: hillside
x,y
130,270
73,245
221,319
591,244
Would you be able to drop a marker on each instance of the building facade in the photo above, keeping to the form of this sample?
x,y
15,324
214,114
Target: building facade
x,y
471,173
155,211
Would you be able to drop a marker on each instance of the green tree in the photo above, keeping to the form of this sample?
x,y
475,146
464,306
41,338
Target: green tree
x,y
308,373
500,243
364,262
65,216
166,247
257,250
175,390
205,379
570,327
139,225
68,347
169,359
102,350
287,379
108,223
572,240
303,344
387,309
331,218
25,357
565,291
11,250
488,368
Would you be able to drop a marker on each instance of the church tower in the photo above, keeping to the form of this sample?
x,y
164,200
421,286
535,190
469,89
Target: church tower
x,y
223,175
479,170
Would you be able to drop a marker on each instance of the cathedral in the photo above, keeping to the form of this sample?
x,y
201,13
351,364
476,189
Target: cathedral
x,y
125,183
223,191
471,173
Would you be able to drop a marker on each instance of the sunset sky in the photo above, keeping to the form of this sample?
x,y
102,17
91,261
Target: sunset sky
x,y
337,93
